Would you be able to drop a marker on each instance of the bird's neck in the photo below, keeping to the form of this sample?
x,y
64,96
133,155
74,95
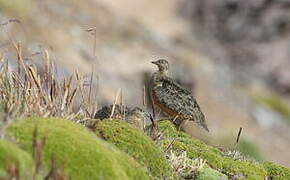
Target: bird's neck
x,y
163,72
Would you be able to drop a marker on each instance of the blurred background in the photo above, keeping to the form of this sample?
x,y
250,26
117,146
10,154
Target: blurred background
x,y
233,55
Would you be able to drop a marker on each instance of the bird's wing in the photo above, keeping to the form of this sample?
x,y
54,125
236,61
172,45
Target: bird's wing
x,y
179,99
175,96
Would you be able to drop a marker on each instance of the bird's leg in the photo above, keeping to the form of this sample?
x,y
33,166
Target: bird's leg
x,y
175,118
176,121
185,122
154,128
179,127
182,124
153,110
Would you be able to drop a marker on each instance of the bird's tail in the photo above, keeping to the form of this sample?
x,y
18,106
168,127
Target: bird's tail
x,y
205,127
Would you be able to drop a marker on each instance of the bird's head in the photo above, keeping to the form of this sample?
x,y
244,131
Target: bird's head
x,y
162,64
137,110
140,113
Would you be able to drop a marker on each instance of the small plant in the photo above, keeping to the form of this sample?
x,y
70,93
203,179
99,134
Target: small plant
x,y
185,167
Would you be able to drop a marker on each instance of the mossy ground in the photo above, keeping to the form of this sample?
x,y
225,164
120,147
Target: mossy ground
x,y
80,152
12,156
277,172
136,144
85,156
247,169
210,174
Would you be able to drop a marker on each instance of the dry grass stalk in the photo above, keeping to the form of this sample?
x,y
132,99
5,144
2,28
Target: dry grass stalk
x,y
9,22
13,172
239,135
55,172
38,148
115,102
144,98
31,92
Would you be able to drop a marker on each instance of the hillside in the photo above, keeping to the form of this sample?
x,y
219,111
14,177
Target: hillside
x,y
98,48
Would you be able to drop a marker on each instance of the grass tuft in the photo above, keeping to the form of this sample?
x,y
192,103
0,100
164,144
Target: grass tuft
x,y
36,91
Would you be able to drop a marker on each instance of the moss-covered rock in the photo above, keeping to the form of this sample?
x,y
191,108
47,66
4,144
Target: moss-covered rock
x,y
83,155
277,172
136,144
12,156
210,174
213,156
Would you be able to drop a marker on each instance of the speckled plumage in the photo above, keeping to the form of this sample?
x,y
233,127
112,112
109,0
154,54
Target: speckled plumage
x,y
105,112
136,116
173,99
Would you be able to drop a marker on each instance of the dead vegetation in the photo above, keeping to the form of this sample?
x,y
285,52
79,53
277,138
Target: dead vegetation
x,y
28,91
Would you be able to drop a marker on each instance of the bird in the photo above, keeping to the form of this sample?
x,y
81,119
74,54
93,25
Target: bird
x,y
135,116
173,99
138,118
105,112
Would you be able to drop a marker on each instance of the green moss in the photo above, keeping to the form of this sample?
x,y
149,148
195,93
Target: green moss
x,y
276,172
83,155
11,155
2,173
247,147
210,174
168,128
136,144
213,156
16,7
274,102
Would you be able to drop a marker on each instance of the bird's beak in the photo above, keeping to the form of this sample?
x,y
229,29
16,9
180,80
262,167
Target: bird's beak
x,y
154,62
